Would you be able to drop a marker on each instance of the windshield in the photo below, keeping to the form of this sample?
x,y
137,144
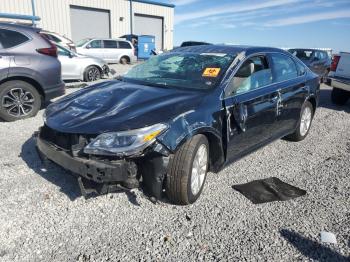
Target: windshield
x,y
182,70
83,42
302,54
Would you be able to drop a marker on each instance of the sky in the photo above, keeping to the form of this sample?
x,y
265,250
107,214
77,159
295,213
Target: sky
x,y
277,23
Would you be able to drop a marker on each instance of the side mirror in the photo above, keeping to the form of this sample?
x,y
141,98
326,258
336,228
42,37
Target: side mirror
x,y
88,47
71,55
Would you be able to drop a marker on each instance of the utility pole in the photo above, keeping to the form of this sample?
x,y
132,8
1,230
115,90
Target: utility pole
x,y
33,13
131,18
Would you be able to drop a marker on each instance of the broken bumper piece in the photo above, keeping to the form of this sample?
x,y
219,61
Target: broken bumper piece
x,y
97,171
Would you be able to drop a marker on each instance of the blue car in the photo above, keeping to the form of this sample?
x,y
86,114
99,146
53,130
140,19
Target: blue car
x,y
170,120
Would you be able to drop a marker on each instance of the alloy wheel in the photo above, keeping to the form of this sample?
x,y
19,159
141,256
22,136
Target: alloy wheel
x,y
305,121
93,74
199,169
18,102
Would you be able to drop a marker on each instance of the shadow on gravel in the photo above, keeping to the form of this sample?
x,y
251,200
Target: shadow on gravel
x,y
326,102
312,249
67,182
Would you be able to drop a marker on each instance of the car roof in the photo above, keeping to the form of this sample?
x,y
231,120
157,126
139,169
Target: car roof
x,y
228,49
19,27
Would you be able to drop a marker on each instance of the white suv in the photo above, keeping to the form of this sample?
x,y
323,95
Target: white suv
x,y
110,50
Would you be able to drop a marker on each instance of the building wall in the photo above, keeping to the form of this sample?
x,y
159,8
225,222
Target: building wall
x,y
55,14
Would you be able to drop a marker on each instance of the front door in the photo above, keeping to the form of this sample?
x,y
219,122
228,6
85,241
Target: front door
x,y
70,66
251,105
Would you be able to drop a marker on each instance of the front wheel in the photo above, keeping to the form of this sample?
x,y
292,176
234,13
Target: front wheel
x,y
187,171
306,116
92,73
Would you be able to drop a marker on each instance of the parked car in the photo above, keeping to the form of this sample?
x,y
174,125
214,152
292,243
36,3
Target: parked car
x,y
110,50
30,72
317,60
193,43
340,78
60,40
80,67
179,114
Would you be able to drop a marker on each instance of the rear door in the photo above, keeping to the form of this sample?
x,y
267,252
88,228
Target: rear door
x,y
4,62
289,80
111,51
250,106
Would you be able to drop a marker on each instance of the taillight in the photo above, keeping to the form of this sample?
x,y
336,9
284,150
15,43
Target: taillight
x,y
335,62
50,51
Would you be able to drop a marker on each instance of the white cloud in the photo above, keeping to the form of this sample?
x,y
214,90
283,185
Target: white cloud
x,y
183,2
231,8
309,18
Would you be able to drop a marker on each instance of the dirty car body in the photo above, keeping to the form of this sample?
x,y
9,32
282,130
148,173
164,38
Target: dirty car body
x,y
214,92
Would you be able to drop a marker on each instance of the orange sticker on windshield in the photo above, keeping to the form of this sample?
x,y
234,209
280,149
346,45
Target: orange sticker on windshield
x,y
211,72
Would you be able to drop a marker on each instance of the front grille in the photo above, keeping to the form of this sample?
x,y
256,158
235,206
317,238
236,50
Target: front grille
x,y
71,143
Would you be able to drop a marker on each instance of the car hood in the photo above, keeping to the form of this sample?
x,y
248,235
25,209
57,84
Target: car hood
x,y
118,106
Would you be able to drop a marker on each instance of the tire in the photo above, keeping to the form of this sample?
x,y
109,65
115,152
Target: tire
x,y
18,100
339,96
180,172
300,133
92,73
124,60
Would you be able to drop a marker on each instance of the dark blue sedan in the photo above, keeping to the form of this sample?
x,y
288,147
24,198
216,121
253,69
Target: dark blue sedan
x,y
168,121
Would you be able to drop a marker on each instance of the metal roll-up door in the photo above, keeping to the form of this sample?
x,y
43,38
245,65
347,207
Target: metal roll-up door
x,y
89,23
150,25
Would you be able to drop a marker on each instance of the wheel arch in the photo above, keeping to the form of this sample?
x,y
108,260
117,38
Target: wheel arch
x,y
216,151
29,80
313,102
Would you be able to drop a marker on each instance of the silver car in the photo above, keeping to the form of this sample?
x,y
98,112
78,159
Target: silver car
x,y
110,50
81,67
30,73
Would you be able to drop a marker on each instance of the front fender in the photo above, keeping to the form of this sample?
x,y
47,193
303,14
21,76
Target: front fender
x,y
185,126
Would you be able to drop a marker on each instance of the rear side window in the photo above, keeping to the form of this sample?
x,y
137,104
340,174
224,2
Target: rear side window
x,y
9,38
110,44
253,74
124,45
284,67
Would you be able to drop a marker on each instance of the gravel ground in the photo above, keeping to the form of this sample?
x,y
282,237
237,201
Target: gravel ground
x,y
43,217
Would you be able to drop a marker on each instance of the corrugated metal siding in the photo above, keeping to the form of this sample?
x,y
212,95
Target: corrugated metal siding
x,y
55,14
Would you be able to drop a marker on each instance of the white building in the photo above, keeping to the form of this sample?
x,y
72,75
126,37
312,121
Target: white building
x,y
78,19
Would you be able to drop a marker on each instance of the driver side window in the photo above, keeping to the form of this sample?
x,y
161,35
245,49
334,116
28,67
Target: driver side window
x,y
253,74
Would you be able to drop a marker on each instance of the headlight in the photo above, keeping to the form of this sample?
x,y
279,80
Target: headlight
x,y
124,143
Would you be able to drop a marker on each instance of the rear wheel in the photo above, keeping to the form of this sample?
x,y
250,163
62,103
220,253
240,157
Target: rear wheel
x,y
339,96
187,171
92,73
124,60
18,100
306,116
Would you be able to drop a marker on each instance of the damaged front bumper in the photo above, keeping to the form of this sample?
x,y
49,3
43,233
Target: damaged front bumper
x,y
151,168
97,171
